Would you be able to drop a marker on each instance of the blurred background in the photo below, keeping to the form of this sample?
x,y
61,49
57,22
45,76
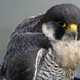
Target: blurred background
x,y
12,12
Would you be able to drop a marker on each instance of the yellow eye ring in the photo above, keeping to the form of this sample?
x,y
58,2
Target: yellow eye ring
x,y
73,27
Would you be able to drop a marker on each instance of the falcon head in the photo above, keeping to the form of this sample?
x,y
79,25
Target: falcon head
x,y
62,22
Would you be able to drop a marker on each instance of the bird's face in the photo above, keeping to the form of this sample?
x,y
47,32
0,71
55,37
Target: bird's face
x,y
58,31
62,23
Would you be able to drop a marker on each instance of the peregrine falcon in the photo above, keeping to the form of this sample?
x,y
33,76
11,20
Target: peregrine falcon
x,y
46,47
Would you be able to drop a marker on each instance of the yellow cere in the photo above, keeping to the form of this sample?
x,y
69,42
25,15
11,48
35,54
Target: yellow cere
x,y
73,27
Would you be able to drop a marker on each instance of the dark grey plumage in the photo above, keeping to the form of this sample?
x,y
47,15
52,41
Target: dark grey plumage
x,y
28,38
22,50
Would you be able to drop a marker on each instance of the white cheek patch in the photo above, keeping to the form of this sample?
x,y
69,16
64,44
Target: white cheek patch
x,y
49,32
